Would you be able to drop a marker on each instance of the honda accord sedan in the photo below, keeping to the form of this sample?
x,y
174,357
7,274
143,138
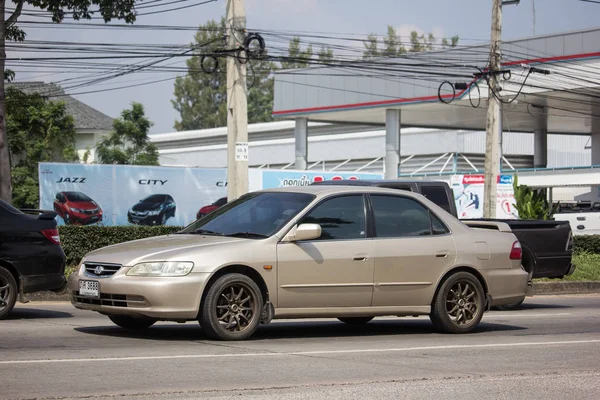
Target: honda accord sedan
x,y
352,253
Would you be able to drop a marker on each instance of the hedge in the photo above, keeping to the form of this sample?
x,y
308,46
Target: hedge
x,y
79,240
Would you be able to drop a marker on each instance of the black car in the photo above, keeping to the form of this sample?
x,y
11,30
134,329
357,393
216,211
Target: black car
x,y
31,258
155,209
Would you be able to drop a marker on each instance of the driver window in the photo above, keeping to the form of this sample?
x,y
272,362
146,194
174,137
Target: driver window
x,y
340,218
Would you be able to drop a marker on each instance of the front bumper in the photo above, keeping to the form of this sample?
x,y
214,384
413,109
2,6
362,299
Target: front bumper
x,y
168,298
144,220
85,219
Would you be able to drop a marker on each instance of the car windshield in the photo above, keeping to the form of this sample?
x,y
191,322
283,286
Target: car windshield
x,y
254,215
77,196
155,198
9,208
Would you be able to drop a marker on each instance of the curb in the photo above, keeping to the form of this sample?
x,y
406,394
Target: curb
x,y
539,288
566,287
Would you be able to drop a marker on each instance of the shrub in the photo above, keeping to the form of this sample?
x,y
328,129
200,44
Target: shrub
x,y
77,241
589,244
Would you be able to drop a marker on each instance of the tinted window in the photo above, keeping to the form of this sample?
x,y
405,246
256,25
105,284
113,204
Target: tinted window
x,y
221,202
260,213
155,198
397,216
340,218
438,195
77,196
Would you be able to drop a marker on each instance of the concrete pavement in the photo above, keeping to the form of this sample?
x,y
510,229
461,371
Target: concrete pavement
x,y
549,349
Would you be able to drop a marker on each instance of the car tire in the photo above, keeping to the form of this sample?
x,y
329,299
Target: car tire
x,y
355,320
235,296
459,304
163,219
133,323
67,219
8,292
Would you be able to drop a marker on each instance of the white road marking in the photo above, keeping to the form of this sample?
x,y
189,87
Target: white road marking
x,y
301,353
524,315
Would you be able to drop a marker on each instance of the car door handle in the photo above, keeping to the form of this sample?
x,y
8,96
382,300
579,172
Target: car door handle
x,y
360,257
442,254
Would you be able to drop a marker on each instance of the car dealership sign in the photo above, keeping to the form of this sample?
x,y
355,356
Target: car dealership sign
x,y
85,194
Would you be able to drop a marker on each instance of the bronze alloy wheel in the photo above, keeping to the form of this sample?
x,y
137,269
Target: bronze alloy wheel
x,y
8,292
232,308
459,304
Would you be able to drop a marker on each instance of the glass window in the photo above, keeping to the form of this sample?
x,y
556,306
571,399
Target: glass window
x,y
221,202
397,216
254,215
155,198
76,196
437,195
340,218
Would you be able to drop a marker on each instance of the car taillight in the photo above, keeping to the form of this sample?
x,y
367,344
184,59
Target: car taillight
x,y
516,253
51,235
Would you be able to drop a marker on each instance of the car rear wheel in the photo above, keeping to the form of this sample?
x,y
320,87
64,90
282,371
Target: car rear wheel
x,y
8,292
232,308
459,304
135,323
355,320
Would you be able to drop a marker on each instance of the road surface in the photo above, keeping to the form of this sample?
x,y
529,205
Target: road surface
x,y
548,350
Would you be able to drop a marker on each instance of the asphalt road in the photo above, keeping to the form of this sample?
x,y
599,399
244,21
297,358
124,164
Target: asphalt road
x,y
548,350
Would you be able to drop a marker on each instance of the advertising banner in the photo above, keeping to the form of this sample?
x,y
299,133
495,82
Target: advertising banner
x,y
468,195
84,194
283,178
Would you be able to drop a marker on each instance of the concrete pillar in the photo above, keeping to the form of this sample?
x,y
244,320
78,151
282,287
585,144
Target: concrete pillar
x,y
540,140
392,144
301,135
595,137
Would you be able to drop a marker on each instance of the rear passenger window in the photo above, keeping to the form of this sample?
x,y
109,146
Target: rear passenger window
x,y
397,216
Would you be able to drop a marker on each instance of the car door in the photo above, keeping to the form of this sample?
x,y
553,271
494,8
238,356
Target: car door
x,y
412,249
335,270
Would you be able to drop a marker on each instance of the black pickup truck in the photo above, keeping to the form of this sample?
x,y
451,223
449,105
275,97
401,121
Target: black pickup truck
x,y
547,245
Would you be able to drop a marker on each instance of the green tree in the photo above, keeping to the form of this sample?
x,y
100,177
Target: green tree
x,y
38,130
297,58
200,97
531,203
78,9
393,46
128,143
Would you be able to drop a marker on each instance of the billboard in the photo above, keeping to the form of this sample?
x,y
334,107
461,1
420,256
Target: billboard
x,y
468,195
86,194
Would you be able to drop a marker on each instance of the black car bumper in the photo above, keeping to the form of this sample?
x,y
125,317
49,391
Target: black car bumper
x,y
144,220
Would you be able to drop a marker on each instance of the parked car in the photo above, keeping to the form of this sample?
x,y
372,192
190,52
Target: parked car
x,y
547,245
307,252
155,209
583,218
210,208
76,208
31,259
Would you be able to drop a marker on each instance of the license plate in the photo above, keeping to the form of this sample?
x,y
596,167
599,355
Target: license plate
x,y
89,288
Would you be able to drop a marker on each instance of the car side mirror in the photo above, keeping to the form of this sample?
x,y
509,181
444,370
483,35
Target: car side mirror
x,y
303,232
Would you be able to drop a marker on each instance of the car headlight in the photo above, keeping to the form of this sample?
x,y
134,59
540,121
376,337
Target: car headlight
x,y
77,210
167,268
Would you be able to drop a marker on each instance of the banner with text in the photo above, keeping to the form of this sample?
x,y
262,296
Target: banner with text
x,y
468,195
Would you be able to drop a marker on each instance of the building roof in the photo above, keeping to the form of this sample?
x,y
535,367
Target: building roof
x,y
86,117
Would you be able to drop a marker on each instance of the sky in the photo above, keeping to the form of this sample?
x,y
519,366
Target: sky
x,y
470,19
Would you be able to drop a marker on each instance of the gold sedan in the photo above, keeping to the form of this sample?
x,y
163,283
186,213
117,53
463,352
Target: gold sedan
x,y
352,253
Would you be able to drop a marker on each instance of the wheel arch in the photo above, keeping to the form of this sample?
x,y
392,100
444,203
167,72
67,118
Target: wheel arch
x,y
13,271
236,269
453,271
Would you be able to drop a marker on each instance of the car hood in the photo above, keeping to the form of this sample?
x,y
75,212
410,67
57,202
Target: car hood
x,y
83,205
159,248
145,206
208,208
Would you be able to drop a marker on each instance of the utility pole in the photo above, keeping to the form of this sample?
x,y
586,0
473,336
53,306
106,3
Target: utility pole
x,y
237,104
493,124
533,13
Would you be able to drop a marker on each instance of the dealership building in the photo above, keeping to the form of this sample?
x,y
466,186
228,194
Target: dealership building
x,y
418,124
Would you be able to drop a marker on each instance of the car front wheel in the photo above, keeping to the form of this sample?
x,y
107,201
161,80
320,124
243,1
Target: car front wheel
x,y
134,323
8,292
232,308
459,304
